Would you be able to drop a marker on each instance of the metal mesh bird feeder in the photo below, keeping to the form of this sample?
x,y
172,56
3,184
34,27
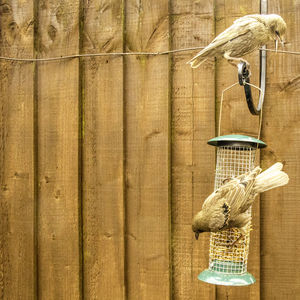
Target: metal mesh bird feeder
x,y
228,254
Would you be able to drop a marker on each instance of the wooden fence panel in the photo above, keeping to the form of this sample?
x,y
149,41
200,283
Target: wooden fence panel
x,y
280,214
58,121
193,124
17,207
103,208
236,118
104,162
147,151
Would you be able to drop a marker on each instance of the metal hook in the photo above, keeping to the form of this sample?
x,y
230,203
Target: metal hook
x,y
243,75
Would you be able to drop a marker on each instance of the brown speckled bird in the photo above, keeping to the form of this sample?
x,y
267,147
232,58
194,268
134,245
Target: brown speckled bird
x,y
227,206
245,35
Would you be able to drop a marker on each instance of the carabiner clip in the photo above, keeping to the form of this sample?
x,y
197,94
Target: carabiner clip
x,y
244,80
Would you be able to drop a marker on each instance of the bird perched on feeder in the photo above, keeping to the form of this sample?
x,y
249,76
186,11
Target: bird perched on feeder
x,y
244,36
227,206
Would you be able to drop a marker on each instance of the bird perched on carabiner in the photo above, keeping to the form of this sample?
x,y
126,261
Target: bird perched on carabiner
x,y
244,36
227,206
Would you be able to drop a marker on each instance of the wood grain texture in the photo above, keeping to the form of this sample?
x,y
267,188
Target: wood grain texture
x,y
147,151
17,214
124,139
280,215
236,118
193,163
103,201
58,121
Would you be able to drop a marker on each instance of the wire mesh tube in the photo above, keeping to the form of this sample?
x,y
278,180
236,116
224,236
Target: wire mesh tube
x,y
228,251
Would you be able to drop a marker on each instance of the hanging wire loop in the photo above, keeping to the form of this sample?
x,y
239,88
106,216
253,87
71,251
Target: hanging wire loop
x,y
244,80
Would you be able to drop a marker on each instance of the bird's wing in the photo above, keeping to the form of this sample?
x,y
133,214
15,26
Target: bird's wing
x,y
230,200
221,202
231,189
248,180
211,200
233,193
219,217
239,192
240,27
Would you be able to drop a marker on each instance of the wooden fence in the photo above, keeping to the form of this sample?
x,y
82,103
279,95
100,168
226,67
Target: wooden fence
x,y
104,161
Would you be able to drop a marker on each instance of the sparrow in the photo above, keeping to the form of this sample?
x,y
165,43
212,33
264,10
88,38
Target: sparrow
x,y
227,206
245,35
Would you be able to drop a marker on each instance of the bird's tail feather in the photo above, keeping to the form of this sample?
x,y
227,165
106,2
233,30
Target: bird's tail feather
x,y
271,178
197,61
201,57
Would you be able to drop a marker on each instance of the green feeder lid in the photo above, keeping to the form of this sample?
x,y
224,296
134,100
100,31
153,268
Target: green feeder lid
x,y
219,278
236,140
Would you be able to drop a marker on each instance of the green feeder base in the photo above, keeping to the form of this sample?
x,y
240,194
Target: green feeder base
x,y
236,140
219,278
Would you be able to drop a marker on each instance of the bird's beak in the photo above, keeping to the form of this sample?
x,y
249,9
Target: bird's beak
x,y
278,38
197,235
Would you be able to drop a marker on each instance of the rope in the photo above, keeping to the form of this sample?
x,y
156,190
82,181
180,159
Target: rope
x,y
100,54
125,54
150,54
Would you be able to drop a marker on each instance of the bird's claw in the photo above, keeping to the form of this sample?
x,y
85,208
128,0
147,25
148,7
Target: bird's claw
x,y
249,71
247,65
244,72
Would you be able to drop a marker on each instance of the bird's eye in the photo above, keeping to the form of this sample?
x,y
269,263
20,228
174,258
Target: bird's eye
x,y
277,33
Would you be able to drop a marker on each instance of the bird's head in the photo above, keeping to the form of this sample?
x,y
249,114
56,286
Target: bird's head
x,y
200,224
277,27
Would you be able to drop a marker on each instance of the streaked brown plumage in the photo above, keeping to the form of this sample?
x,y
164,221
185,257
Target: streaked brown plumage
x,y
227,206
245,35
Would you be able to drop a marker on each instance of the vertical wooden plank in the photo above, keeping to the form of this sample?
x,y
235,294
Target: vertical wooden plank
x,y
58,236
236,118
103,208
193,163
280,210
17,253
147,150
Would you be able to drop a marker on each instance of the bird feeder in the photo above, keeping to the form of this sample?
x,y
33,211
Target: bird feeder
x,y
228,253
